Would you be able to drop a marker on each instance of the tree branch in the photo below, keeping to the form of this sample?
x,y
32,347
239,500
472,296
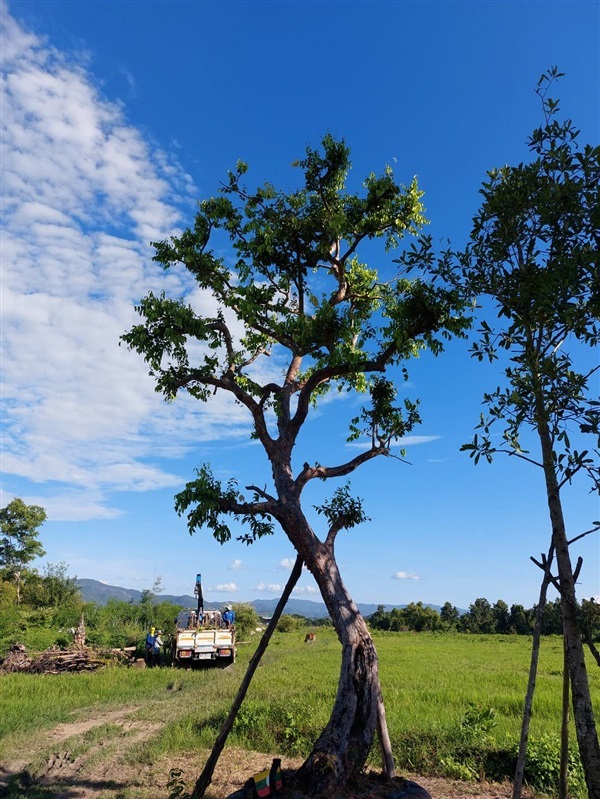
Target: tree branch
x,y
583,535
326,472
228,383
545,567
261,493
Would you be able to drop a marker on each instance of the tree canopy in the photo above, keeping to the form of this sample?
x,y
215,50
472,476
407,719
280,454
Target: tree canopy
x,y
19,543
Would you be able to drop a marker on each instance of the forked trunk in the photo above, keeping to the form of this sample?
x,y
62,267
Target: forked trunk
x,y
342,749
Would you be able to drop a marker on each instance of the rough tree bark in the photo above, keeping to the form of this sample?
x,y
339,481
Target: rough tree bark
x,y
343,747
585,727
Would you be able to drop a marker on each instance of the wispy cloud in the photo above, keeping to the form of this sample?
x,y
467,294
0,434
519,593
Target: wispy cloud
x,y
287,564
305,589
84,193
236,565
405,576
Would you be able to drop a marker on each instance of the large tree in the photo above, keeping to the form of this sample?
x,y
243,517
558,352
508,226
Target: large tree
x,y
533,254
19,543
301,295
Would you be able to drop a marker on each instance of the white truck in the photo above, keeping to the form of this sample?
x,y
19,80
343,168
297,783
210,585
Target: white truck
x,y
202,639
202,636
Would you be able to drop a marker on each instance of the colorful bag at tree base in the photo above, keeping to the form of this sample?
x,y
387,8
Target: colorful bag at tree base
x,y
267,783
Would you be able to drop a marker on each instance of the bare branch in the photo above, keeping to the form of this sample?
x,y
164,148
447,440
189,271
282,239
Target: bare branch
x,y
262,492
326,472
545,567
588,640
583,535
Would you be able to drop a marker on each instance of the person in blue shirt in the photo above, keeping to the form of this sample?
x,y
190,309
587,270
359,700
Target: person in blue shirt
x,y
229,617
149,643
155,652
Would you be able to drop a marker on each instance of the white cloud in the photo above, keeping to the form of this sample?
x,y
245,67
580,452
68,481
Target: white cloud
x,y
84,192
271,588
227,588
405,576
413,441
305,589
237,564
287,564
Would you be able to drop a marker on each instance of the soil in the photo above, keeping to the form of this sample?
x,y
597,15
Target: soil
x,y
70,762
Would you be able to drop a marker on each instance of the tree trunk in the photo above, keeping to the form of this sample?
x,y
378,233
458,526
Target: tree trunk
x,y
342,748
585,727
563,781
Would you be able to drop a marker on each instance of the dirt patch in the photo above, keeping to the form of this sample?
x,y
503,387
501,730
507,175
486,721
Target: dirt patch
x,y
71,762
237,765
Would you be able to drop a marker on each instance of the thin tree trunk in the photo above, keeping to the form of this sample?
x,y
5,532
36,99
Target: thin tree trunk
x,y
205,778
387,757
585,726
535,652
563,782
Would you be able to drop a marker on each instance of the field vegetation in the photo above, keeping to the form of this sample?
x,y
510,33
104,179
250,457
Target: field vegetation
x,y
454,704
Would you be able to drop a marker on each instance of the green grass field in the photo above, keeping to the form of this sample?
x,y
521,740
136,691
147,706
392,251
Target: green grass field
x,y
453,701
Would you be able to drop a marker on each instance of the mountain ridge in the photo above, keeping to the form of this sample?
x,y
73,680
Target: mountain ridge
x,y
100,593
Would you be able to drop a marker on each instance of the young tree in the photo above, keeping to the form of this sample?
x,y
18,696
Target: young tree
x,y
449,615
533,253
19,544
302,297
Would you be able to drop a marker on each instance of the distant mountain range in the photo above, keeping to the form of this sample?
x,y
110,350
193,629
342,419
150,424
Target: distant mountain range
x,y
100,593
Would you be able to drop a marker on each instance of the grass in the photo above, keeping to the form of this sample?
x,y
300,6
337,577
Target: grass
x,y
453,702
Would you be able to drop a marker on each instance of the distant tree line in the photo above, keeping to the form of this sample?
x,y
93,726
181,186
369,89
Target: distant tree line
x,y
483,618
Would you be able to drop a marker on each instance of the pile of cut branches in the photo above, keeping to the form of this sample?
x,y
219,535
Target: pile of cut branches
x,y
59,661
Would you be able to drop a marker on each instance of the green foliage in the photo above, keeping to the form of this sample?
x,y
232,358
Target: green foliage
x,y
176,785
19,544
343,511
542,766
286,725
289,623
246,620
302,297
590,615
533,250
206,497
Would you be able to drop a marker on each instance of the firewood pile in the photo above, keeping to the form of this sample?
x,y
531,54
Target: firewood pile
x,y
60,661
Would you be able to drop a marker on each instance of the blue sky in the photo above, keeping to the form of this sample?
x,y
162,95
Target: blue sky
x,y
117,117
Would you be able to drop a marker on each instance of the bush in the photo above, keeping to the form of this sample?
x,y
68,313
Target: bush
x,y
542,767
288,624
246,619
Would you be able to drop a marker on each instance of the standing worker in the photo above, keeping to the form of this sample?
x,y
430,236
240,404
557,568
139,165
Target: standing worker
x,y
229,617
157,644
149,642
